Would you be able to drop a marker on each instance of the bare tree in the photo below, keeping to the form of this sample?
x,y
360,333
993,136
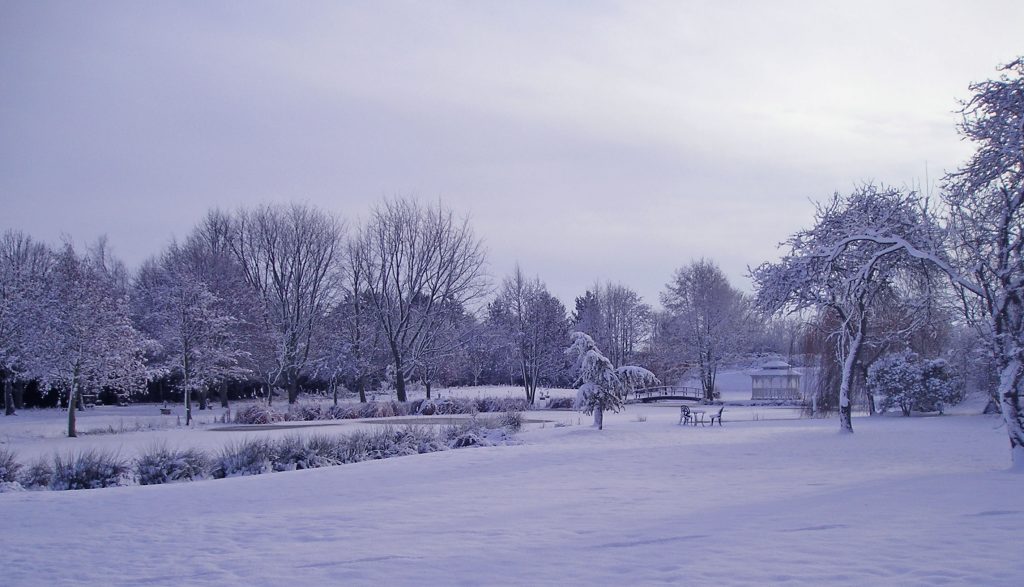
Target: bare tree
x,y
290,256
416,259
616,317
708,319
535,324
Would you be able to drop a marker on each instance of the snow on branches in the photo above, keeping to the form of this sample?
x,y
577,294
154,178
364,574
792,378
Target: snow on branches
x,y
854,258
602,386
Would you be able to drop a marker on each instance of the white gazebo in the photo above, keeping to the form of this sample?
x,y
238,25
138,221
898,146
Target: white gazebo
x,y
775,380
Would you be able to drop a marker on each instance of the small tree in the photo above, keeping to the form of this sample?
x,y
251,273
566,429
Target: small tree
x,y
896,378
83,338
602,386
903,380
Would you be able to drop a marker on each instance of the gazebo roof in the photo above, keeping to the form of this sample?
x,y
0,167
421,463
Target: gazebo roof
x,y
775,367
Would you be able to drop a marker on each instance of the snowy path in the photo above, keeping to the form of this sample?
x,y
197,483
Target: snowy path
x,y
903,501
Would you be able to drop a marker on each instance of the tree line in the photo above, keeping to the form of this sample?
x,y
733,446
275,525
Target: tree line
x,y
276,299
289,297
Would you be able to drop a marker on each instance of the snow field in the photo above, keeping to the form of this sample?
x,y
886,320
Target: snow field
x,y
902,501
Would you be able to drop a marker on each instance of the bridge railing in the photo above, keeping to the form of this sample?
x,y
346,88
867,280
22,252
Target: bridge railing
x,y
651,393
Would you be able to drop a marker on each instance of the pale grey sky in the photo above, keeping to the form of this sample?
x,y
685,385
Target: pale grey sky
x,y
611,140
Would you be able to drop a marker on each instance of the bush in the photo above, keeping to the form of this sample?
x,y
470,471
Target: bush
x,y
511,421
561,403
473,432
37,475
306,413
9,467
90,469
903,380
258,413
295,452
249,457
162,465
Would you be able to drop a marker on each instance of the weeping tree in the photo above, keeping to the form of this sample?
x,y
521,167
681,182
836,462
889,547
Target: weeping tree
x,y
602,386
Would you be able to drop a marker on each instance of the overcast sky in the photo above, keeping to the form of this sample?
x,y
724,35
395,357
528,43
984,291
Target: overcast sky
x,y
587,140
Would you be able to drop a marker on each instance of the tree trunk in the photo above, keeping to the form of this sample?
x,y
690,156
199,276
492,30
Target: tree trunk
x,y
222,389
204,398
599,417
72,433
361,387
270,395
19,395
8,396
1010,379
188,404
845,407
400,383
428,385
334,391
293,388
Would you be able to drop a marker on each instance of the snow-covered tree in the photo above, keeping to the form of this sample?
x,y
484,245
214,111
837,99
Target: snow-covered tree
x,y
197,337
208,255
535,325
24,264
602,387
905,381
709,319
985,230
416,260
82,337
828,269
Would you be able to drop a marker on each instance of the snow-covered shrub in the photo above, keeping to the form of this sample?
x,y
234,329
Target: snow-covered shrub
x,y
296,452
421,439
376,410
940,386
473,432
903,380
37,475
512,421
306,412
341,412
502,404
427,408
446,407
163,465
561,403
89,469
258,413
353,448
390,442
249,457
9,466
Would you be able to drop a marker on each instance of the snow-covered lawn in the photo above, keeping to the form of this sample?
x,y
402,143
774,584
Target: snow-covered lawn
x,y
903,501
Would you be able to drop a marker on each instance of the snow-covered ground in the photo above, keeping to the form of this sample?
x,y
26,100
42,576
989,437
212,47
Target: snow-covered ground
x,y
902,501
